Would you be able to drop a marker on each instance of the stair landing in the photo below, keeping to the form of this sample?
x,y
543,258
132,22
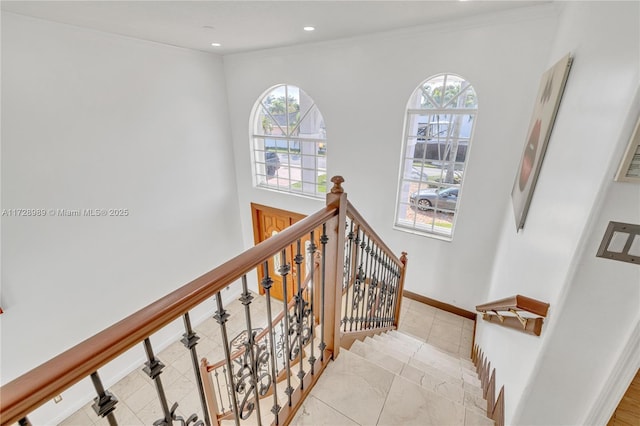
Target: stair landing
x,y
420,375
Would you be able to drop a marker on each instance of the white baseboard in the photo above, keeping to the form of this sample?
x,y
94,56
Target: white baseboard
x,y
616,385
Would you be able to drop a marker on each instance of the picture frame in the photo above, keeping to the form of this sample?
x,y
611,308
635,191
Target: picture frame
x,y
552,85
629,169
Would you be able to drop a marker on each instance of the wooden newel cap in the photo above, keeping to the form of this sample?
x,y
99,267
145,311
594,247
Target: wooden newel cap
x,y
403,258
337,185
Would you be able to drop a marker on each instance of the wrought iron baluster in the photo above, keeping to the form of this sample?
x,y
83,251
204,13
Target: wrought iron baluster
x,y
396,294
367,275
105,403
267,283
154,369
285,268
248,374
190,340
215,374
374,290
385,291
354,277
227,386
357,284
311,287
379,288
222,316
370,288
323,241
389,293
300,312
347,279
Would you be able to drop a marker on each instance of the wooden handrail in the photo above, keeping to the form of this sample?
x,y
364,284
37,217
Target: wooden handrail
x,y
355,215
516,303
29,391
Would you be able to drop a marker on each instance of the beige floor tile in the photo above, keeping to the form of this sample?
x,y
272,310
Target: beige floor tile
x,y
150,412
128,385
475,419
171,353
314,412
468,324
424,310
179,389
414,331
410,404
475,402
348,373
379,358
123,415
451,390
141,398
79,418
450,318
448,346
444,331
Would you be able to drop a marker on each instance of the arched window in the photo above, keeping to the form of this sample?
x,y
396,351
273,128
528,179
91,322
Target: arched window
x,y
437,136
289,143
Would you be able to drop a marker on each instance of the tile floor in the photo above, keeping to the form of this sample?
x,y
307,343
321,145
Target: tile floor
x,y
138,403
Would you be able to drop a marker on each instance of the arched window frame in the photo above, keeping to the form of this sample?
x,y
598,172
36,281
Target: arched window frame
x,y
436,144
288,143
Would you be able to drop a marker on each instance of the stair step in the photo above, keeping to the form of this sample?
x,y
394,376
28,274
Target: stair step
x,y
392,379
432,350
379,358
427,376
410,404
392,344
381,346
449,389
404,345
423,361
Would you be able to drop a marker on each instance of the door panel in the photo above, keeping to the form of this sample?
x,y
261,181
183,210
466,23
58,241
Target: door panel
x,y
269,221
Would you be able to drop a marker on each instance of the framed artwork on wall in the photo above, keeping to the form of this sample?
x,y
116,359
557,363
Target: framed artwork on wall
x,y
545,109
629,170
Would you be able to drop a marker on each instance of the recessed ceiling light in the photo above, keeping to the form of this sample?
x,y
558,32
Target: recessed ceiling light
x,y
309,28
216,44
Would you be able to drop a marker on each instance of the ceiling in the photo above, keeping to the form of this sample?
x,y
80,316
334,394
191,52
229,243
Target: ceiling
x,y
241,26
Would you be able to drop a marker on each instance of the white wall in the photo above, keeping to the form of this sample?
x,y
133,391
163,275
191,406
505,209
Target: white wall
x,y
594,303
95,120
362,87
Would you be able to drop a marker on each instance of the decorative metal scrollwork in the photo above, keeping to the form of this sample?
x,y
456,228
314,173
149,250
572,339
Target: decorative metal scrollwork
x,y
358,288
253,373
299,326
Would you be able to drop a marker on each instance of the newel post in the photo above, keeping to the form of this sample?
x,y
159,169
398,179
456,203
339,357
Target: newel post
x,y
335,265
403,273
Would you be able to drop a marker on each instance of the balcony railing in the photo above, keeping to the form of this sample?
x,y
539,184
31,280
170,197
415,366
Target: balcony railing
x,y
353,287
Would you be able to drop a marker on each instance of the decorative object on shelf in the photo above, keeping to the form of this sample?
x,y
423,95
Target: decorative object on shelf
x,y
544,114
509,313
629,170
621,242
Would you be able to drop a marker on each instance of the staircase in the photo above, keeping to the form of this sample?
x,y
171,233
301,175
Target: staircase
x,y
330,355
395,379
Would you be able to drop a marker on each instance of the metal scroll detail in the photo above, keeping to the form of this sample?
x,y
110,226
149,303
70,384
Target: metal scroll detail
x,y
252,375
299,326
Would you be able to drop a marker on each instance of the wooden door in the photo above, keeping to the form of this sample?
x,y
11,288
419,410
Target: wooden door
x,y
267,222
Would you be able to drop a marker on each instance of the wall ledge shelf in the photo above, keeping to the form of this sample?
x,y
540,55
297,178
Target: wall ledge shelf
x,y
507,312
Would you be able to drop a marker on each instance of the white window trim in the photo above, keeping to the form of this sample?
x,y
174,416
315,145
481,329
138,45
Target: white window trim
x,y
409,226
